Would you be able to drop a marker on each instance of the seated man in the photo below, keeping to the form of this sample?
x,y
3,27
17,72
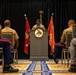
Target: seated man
x,y
72,50
38,24
7,28
5,44
63,40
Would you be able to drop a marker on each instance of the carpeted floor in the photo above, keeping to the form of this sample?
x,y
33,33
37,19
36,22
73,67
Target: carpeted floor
x,y
27,67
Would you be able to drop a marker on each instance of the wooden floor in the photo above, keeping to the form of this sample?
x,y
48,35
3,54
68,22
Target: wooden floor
x,y
56,69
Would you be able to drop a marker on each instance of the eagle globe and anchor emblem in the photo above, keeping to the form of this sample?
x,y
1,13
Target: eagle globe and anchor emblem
x,y
38,33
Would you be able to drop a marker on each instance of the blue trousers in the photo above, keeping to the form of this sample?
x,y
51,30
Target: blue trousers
x,y
57,51
6,52
11,54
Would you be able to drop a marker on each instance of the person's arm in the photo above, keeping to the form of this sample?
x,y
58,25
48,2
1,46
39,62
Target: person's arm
x,y
62,40
34,27
17,43
42,26
16,37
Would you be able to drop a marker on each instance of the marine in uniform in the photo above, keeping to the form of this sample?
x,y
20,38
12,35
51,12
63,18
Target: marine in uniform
x,y
38,24
5,44
71,22
8,28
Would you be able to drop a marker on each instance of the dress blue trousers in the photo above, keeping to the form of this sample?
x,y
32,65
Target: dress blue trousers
x,y
58,50
6,52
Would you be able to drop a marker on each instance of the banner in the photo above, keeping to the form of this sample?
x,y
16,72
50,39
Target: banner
x,y
27,35
51,35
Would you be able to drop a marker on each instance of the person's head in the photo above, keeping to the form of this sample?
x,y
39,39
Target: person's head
x,y
38,21
7,23
71,22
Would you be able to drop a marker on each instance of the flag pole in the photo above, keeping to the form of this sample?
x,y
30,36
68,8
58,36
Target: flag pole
x,y
51,34
25,16
52,14
41,12
27,35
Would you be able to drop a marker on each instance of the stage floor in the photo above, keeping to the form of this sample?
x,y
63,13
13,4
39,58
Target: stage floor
x,y
55,69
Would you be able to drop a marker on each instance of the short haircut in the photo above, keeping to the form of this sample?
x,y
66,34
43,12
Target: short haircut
x,y
38,20
72,21
6,22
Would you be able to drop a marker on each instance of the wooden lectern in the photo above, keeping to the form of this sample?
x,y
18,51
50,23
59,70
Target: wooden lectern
x,y
38,44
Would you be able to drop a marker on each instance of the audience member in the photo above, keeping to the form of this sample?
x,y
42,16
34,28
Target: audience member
x,y
58,48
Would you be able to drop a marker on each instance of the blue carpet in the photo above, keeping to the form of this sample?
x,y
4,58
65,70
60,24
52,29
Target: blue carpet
x,y
45,69
31,69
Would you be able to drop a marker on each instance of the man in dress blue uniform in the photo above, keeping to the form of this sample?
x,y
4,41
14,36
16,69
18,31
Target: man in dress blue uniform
x,y
62,42
15,38
5,44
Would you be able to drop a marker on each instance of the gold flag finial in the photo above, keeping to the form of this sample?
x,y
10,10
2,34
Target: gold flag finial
x,y
25,16
52,14
41,12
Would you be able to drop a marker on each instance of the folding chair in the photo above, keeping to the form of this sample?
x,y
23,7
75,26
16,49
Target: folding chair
x,y
65,52
9,36
74,31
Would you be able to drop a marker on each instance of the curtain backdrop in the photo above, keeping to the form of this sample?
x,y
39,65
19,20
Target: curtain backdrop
x,y
14,10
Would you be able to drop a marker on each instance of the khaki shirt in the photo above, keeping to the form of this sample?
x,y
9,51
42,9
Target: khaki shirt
x,y
68,30
35,26
15,35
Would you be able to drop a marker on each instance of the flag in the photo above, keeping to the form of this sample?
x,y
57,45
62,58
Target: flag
x,y
51,35
27,35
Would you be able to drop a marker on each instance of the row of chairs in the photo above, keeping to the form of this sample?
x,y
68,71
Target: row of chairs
x,y
65,52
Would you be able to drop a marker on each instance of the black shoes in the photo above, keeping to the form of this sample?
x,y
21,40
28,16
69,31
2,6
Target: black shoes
x,y
9,69
56,61
72,68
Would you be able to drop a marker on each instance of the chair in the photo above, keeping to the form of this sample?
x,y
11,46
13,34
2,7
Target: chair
x,y
9,36
65,52
74,31
1,52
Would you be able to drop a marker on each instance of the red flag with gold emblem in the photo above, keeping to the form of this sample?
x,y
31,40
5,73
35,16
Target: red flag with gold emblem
x,y
27,35
51,35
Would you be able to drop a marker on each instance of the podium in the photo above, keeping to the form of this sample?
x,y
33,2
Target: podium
x,y
38,45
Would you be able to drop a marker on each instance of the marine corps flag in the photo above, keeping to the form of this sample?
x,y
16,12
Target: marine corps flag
x,y
27,35
51,35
